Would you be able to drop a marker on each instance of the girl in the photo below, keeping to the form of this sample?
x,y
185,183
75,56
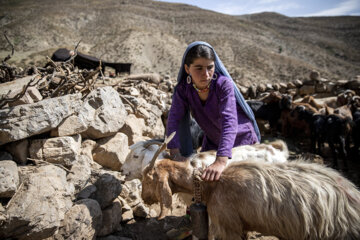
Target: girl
x,y
206,89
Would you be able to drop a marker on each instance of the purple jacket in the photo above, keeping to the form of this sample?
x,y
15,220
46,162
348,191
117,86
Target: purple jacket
x,y
224,123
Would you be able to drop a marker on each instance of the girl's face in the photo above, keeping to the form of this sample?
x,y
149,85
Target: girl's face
x,y
201,71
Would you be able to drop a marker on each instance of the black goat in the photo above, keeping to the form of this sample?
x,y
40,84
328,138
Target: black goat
x,y
337,130
269,111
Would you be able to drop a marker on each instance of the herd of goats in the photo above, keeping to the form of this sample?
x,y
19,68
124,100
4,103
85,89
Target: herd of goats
x,y
333,120
260,190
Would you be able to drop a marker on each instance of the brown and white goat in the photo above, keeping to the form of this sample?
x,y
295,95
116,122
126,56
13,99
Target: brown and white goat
x,y
165,177
291,200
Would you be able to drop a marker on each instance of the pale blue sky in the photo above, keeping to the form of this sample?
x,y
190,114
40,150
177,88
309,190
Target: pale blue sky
x,y
291,8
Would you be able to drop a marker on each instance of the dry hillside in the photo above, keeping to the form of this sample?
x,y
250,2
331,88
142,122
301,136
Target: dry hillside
x,y
153,35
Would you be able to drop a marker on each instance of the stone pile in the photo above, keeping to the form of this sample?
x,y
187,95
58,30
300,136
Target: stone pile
x,y
61,157
314,86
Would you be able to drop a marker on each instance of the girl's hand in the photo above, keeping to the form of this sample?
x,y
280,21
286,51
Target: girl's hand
x,y
213,172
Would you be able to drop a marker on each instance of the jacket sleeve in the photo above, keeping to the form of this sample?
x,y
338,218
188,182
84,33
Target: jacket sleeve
x,y
229,118
179,107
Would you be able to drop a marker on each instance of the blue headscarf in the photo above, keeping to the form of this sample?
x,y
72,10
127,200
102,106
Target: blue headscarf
x,y
186,147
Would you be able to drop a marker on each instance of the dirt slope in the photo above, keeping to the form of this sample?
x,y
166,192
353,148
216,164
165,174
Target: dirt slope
x,y
153,35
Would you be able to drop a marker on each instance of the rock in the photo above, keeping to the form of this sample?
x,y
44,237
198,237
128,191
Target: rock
x,y
17,84
82,221
70,126
133,128
321,87
134,92
23,121
276,86
307,90
39,205
131,193
103,112
112,151
111,218
261,88
314,75
32,95
60,150
88,191
269,87
141,210
283,88
80,172
298,83
9,179
127,212
290,85
5,156
252,92
19,150
87,147
108,187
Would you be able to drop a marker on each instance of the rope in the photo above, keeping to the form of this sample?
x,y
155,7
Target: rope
x,y
197,185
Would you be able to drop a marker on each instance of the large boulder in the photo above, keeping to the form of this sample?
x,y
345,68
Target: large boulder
x,y
9,179
112,151
60,150
103,112
82,221
39,205
134,128
108,187
23,121
111,218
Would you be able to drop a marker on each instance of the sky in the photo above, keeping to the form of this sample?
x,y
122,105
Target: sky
x,y
290,8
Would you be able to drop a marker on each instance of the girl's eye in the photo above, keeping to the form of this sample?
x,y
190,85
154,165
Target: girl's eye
x,y
210,67
199,68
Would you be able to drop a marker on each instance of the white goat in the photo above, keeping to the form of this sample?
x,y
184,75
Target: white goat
x,y
139,157
142,152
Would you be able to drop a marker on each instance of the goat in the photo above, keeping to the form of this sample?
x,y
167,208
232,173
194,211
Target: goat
x,y
290,200
139,157
291,120
338,130
312,102
355,109
269,108
167,177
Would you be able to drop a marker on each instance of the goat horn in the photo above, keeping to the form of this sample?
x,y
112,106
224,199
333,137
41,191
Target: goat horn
x,y
348,91
355,97
153,142
161,148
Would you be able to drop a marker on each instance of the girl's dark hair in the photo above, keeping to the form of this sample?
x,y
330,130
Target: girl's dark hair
x,y
199,51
